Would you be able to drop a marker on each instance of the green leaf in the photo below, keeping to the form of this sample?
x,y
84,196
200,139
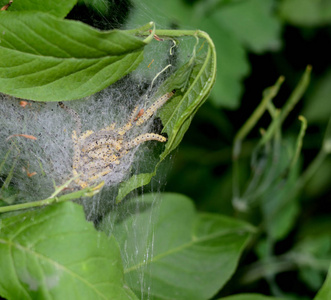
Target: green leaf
x,y
54,59
325,292
314,249
220,20
55,253
59,8
318,109
249,297
252,14
306,12
232,65
163,13
168,246
100,7
193,82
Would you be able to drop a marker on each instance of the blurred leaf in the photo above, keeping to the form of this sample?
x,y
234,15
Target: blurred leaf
x,y
258,29
181,254
312,278
312,251
99,6
306,12
249,297
58,8
61,59
163,13
232,65
56,254
319,184
317,108
315,241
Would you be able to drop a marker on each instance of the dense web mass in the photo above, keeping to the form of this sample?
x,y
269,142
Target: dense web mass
x,y
99,154
42,139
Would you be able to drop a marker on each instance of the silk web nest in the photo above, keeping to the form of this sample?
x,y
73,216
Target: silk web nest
x,y
36,145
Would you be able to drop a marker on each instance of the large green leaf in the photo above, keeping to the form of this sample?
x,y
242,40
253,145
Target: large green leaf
x,y
56,254
168,246
59,8
318,109
258,29
54,59
193,82
232,65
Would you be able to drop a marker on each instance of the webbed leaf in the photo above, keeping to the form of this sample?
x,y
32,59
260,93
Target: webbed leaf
x,y
193,83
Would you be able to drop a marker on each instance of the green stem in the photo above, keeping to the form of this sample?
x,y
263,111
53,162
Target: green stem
x,y
283,263
242,133
181,33
255,116
318,160
299,141
87,192
296,94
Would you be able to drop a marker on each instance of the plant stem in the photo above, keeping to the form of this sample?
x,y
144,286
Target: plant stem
x,y
296,94
245,129
87,192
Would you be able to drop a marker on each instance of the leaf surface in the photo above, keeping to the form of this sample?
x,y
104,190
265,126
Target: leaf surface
x,y
318,109
232,65
54,59
59,8
248,31
168,246
56,254
249,297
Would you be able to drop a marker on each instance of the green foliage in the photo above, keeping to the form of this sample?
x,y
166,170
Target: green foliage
x,y
61,59
318,109
199,74
58,255
58,8
195,253
158,245
231,38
